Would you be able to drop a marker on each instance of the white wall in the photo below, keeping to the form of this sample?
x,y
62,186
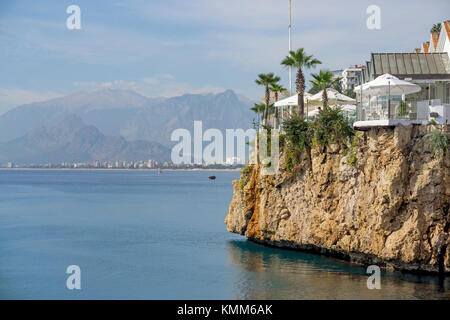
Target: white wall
x,y
443,41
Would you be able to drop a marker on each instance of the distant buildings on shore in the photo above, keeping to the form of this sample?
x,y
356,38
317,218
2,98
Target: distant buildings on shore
x,y
141,164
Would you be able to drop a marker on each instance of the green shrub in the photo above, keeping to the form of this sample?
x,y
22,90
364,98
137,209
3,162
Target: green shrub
x,y
245,175
282,140
329,127
438,143
352,159
247,170
297,132
296,138
401,109
244,182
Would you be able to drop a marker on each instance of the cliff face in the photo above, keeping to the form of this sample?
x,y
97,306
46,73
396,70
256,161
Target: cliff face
x,y
391,207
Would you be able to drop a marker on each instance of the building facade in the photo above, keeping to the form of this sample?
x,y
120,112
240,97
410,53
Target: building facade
x,y
351,77
427,67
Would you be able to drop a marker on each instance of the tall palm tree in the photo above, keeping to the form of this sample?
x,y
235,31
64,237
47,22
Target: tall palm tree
x,y
276,89
299,59
258,108
324,80
267,80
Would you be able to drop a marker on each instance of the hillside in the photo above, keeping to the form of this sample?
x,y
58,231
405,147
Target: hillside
x,y
130,115
73,140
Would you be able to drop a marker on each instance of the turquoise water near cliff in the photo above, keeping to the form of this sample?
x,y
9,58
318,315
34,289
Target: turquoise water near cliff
x,y
144,235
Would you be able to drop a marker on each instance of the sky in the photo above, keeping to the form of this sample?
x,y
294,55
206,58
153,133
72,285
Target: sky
x,y
171,47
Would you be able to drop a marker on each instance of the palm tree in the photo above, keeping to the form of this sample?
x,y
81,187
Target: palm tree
x,y
258,108
324,80
267,80
436,28
276,89
300,60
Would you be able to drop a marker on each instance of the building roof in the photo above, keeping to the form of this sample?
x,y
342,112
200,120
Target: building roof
x,y
411,65
425,47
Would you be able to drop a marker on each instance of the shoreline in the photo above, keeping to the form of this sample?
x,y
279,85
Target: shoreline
x,y
116,169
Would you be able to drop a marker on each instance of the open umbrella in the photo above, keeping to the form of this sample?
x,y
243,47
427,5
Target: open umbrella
x,y
292,100
313,113
333,95
348,107
387,85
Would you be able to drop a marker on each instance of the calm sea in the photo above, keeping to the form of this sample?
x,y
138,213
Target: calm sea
x,y
144,235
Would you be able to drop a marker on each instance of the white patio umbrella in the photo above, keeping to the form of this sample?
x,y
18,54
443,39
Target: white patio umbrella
x,y
313,113
333,95
348,107
292,101
387,85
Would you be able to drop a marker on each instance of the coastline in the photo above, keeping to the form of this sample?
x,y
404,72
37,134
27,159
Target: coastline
x,y
389,208
118,169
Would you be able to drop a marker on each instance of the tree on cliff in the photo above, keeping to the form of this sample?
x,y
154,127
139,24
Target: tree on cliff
x,y
299,59
258,108
324,80
267,80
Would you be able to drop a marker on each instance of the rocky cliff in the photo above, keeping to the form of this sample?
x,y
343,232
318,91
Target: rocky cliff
x,y
389,207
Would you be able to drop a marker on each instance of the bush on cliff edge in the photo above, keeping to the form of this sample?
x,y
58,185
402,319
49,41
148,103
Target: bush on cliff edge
x,y
329,127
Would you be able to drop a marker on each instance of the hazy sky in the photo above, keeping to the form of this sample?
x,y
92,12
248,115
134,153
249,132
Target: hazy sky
x,y
171,47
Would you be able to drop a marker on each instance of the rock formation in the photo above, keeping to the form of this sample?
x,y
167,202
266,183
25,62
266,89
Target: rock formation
x,y
389,207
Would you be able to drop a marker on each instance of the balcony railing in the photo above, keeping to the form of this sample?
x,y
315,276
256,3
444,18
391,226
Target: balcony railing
x,y
408,110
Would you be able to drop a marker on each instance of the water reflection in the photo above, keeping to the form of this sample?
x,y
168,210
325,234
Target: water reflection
x,y
270,273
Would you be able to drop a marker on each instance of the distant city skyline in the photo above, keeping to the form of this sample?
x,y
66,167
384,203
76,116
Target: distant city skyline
x,y
168,48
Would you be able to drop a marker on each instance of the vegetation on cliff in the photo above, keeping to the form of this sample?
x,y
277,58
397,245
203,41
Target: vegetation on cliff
x,y
439,143
330,127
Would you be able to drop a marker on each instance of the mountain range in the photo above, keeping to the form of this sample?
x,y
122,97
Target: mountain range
x,y
74,141
112,124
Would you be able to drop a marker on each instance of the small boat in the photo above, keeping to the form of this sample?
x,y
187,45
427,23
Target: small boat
x,y
212,177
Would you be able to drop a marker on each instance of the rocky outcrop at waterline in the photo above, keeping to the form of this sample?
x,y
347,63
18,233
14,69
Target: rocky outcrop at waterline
x,y
386,202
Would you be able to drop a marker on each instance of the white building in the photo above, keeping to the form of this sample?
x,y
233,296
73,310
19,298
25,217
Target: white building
x,y
439,42
350,77
443,43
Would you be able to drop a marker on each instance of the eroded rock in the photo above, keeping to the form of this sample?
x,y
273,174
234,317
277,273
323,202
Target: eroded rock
x,y
390,207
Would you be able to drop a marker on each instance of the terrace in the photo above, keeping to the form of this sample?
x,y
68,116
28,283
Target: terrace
x,y
429,72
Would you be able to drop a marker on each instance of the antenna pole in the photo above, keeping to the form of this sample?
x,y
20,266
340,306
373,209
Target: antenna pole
x,y
290,49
